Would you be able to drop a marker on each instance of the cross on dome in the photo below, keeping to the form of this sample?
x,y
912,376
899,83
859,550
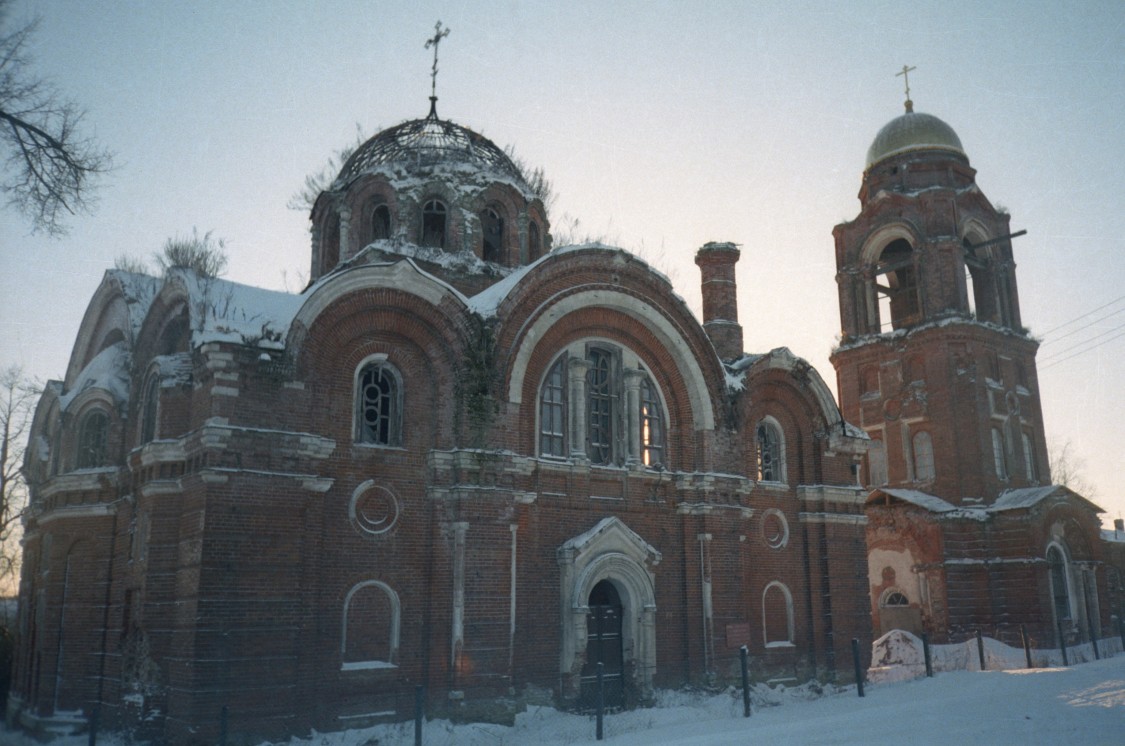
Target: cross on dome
x,y
439,34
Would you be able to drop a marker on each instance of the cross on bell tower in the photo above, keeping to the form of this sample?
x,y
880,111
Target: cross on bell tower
x,y
434,41
905,73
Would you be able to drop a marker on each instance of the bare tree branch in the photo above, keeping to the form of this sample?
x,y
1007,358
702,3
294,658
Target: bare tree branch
x,y
50,168
18,395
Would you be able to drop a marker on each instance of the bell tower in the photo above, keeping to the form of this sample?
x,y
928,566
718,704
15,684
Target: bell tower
x,y
933,360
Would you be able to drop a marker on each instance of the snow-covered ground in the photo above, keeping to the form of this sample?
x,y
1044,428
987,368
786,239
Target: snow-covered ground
x,y
1082,704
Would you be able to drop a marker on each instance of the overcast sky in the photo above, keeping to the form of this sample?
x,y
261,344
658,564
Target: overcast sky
x,y
662,126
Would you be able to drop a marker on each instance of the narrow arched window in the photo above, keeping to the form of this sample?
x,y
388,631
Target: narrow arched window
x,y
433,224
330,245
1029,458
492,228
149,412
923,447
652,425
599,402
876,464
381,223
378,405
998,454
534,243
92,439
1060,583
552,411
771,466
372,620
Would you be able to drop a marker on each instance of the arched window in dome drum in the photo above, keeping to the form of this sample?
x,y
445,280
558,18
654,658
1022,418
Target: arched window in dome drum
x,y
533,241
492,226
381,223
330,245
433,224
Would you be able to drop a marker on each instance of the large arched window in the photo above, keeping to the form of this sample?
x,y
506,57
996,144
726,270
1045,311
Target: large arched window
x,y
378,401
92,440
771,451
777,615
434,224
612,403
492,228
552,411
876,463
380,223
923,448
370,634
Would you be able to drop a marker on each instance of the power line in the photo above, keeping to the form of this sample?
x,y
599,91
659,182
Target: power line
x,y
1079,318
1088,349
1083,342
1087,325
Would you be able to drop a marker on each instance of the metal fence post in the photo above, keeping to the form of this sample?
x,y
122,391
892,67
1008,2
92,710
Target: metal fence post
x,y
926,655
858,672
1062,641
743,653
1026,645
980,649
601,701
224,725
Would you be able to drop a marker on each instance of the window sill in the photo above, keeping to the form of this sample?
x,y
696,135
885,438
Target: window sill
x,y
779,645
367,666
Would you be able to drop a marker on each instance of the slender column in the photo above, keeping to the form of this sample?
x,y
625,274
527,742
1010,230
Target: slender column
x,y
708,611
576,372
633,416
457,643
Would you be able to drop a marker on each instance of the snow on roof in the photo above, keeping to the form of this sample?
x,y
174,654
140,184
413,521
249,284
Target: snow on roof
x,y
138,291
487,302
225,311
1118,537
921,499
109,370
1023,497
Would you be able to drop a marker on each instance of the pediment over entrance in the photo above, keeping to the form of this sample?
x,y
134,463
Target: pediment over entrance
x,y
609,535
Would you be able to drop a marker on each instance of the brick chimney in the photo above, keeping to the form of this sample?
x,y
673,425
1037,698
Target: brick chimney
x,y
720,303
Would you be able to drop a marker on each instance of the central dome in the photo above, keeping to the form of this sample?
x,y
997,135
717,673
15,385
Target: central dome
x,y
913,131
425,142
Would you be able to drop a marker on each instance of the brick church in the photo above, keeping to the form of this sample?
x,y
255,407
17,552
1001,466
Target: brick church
x,y
469,460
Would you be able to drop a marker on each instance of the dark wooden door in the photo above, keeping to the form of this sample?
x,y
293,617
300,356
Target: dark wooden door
x,y
603,645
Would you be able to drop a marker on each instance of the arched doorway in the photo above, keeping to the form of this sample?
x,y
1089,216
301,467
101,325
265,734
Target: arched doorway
x,y
603,645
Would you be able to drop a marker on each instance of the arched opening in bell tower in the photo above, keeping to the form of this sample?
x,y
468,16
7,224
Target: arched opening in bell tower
x,y
898,304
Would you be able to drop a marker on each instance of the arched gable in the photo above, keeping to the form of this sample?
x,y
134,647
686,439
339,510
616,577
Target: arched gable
x,y
406,320
114,314
555,301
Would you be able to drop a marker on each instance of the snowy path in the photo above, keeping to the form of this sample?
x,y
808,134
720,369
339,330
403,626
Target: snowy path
x,y
1083,704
